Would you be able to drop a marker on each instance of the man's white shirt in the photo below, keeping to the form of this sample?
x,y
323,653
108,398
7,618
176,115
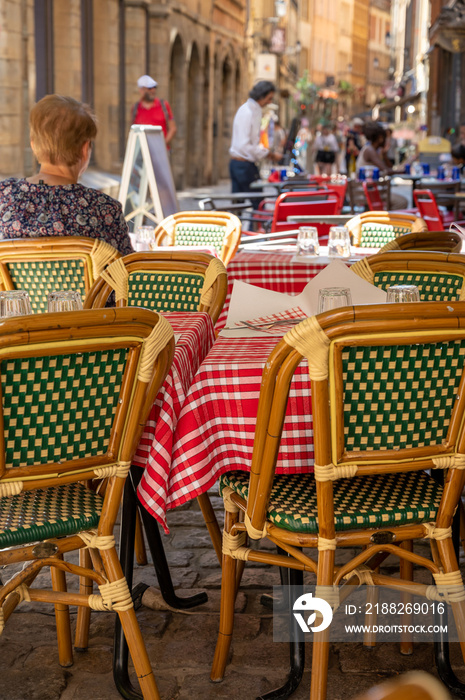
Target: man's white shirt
x,y
245,141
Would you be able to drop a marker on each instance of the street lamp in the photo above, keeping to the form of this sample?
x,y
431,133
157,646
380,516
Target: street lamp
x,y
375,62
411,109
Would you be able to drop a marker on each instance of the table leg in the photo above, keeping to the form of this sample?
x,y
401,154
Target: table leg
x,y
127,535
293,579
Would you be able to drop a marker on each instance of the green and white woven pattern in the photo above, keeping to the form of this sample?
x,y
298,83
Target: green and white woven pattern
x,y
396,397
377,235
434,286
42,277
200,234
59,407
362,502
168,291
38,515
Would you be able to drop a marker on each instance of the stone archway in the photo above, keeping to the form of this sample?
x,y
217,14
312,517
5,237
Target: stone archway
x,y
178,102
195,147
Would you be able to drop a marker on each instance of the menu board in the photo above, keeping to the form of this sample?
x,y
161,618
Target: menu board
x,y
147,192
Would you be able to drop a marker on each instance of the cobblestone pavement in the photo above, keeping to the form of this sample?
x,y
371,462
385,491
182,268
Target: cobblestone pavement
x,y
181,644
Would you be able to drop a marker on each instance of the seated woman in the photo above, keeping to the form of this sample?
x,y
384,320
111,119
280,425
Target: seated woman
x,y
52,203
370,154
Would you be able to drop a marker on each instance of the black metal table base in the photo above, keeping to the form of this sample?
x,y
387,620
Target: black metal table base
x,y
128,531
294,580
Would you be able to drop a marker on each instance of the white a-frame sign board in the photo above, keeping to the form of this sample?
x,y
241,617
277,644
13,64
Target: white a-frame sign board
x,y
147,188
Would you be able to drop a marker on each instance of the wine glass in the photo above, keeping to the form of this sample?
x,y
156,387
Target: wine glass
x,y
14,303
400,293
307,241
333,297
64,301
145,237
339,242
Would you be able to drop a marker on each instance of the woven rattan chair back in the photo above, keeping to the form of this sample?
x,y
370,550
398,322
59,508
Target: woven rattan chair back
x,y
43,265
76,392
438,276
219,230
376,229
388,402
164,281
440,241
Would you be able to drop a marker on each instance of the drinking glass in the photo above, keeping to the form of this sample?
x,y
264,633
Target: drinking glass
x,y
333,297
307,241
14,303
339,242
400,293
145,237
64,301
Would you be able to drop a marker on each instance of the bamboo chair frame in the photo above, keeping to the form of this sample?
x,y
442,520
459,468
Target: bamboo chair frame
x,y
149,341
332,332
165,232
94,254
173,262
412,261
382,217
440,241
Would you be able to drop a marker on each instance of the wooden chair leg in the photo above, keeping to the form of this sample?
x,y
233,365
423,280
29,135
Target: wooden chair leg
x,y
65,646
212,523
406,572
228,597
81,637
462,524
320,646
139,544
132,632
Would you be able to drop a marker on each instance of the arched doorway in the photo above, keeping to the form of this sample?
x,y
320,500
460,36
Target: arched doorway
x,y
207,126
178,102
195,150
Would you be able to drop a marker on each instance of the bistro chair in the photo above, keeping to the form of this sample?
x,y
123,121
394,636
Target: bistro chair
x,y
441,241
416,685
388,404
76,389
375,229
219,230
167,281
42,265
357,197
163,281
373,196
438,276
426,204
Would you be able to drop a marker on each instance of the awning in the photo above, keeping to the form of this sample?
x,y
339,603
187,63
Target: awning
x,y
448,31
387,106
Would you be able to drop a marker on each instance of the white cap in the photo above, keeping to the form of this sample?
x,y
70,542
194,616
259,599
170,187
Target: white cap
x,y
145,81
357,121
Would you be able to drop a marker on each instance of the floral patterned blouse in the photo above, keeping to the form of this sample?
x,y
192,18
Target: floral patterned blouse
x,y
32,210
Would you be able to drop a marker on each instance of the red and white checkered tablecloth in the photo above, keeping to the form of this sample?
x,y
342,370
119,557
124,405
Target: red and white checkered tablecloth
x,y
271,270
195,336
215,430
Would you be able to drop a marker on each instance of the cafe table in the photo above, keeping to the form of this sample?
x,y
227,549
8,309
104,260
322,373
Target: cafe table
x,y
194,335
273,269
216,426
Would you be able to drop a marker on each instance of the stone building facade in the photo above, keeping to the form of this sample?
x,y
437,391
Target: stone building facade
x,y
95,50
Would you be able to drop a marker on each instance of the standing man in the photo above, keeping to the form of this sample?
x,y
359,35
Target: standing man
x,y
354,143
245,144
153,110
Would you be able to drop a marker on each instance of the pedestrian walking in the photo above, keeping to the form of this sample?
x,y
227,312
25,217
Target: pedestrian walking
x,y
153,110
326,147
246,149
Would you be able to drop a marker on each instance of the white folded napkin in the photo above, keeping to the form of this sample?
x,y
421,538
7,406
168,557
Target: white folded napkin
x,y
250,303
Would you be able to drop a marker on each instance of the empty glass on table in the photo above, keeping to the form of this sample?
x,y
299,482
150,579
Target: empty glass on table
x,y
401,293
64,301
333,297
307,241
339,242
14,303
